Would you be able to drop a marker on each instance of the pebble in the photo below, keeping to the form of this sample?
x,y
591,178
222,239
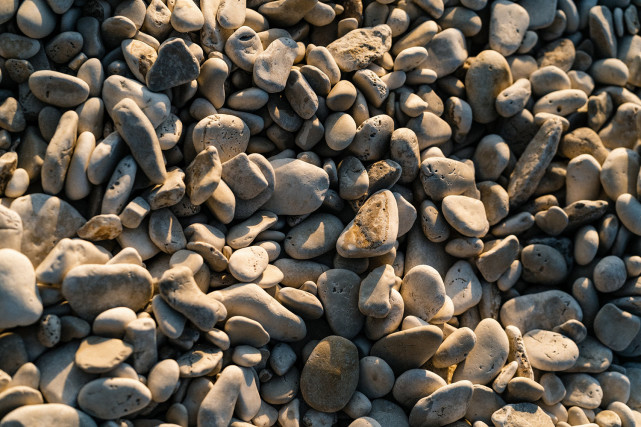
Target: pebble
x,y
521,413
51,414
487,357
466,215
295,177
98,355
358,48
394,348
508,25
247,264
102,398
313,237
92,289
423,292
22,305
328,386
550,351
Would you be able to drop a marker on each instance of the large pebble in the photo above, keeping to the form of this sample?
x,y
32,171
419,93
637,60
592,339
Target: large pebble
x,y
488,75
111,398
300,187
408,349
48,414
373,230
488,355
272,66
92,289
20,304
521,414
550,351
542,310
446,405
59,89
358,48
313,237
330,375
338,290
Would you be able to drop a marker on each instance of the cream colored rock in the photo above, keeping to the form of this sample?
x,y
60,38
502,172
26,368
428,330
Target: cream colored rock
x,y
21,304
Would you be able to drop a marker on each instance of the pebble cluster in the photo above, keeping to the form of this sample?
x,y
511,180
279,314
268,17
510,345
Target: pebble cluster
x,y
368,213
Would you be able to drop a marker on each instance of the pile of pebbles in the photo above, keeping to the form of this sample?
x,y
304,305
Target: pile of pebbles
x,y
365,213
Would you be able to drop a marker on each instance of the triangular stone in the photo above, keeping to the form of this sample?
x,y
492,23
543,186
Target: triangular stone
x,y
175,65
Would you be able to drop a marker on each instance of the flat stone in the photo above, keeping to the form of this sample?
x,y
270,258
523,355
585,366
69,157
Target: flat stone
x,y
180,291
489,74
249,300
112,398
67,254
532,164
49,414
582,390
542,310
508,25
247,264
415,384
314,236
330,375
443,177
446,405
92,289
462,286
446,52
550,351
466,215
272,66
408,349
60,378
98,355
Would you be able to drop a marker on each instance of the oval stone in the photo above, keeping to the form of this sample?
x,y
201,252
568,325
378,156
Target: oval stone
x,y
111,398
92,289
550,351
48,414
330,375
300,187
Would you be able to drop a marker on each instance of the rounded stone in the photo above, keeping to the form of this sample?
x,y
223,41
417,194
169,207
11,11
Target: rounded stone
x,y
20,304
47,414
314,236
112,398
330,375
376,378
299,189
247,264
92,289
609,274
466,215
98,355
550,351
